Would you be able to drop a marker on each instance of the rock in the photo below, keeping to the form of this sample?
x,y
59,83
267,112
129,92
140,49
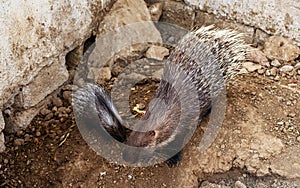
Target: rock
x,y
157,52
57,101
38,133
268,72
2,142
259,37
33,66
251,67
45,111
128,23
20,119
26,137
292,115
2,123
257,56
267,16
67,95
286,68
239,184
104,74
298,138
20,133
19,141
275,63
178,13
158,73
207,184
277,47
273,71
49,116
45,83
261,71
116,70
297,66
5,161
155,11
70,87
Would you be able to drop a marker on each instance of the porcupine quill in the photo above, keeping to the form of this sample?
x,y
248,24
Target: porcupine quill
x,y
205,59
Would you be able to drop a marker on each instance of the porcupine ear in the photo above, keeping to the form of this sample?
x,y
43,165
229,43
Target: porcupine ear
x,y
93,104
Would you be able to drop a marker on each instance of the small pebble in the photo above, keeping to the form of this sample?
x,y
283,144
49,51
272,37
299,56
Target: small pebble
x,y
5,161
57,102
54,109
297,66
239,184
38,133
291,115
49,116
20,132
273,71
280,123
27,138
251,67
19,141
275,63
45,111
155,11
67,95
298,138
261,71
286,68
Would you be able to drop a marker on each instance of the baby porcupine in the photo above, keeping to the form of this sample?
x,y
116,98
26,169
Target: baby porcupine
x,y
201,63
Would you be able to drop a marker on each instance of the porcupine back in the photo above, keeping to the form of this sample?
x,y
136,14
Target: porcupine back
x,y
198,67
209,57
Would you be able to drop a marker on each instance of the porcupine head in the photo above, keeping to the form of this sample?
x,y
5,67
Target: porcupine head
x,y
194,74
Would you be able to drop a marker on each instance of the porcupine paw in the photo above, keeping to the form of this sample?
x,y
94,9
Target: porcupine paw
x,y
174,161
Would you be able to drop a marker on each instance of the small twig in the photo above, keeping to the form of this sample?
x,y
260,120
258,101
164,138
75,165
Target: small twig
x,y
63,141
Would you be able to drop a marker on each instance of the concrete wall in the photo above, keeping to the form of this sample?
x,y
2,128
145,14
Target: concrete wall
x,y
275,17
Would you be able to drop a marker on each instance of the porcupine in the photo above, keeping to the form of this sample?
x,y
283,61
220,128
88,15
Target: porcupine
x,y
205,59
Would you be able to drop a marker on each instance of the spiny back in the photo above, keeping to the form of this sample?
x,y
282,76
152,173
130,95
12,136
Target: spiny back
x,y
208,57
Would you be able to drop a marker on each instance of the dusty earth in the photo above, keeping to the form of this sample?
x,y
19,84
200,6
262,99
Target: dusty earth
x,y
257,146
52,153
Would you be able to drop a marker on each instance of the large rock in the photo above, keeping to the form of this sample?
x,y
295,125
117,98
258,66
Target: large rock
x,y
35,38
178,13
277,47
128,23
272,17
48,79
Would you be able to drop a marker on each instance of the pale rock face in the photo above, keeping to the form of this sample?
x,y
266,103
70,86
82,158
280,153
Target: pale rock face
x,y
273,17
35,38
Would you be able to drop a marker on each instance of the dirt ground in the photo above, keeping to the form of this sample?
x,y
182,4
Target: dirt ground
x,y
52,153
258,145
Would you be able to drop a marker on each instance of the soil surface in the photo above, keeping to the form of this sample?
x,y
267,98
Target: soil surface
x,y
258,145
52,153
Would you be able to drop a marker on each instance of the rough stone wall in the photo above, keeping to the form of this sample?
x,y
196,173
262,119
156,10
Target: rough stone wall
x,y
275,17
35,37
